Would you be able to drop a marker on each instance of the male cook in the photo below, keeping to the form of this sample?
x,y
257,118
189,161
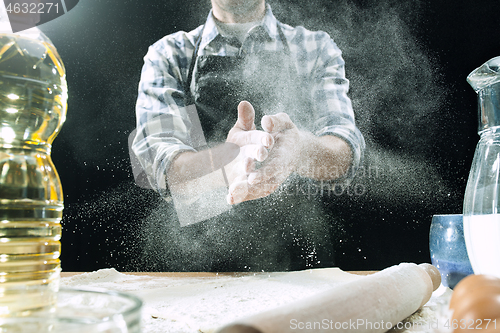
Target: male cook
x,y
242,69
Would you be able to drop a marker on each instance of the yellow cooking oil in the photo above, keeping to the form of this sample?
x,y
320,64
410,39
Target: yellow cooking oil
x,y
33,95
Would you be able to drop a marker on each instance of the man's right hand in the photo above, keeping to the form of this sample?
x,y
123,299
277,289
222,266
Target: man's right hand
x,y
254,145
244,146
244,133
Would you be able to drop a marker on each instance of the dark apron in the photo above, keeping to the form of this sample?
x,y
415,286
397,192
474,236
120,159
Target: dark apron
x,y
288,230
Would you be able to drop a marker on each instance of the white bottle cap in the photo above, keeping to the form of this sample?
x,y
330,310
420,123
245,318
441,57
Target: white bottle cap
x,y
5,27
23,23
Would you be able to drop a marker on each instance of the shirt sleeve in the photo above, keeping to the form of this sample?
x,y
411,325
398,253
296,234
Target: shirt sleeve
x,y
335,115
163,125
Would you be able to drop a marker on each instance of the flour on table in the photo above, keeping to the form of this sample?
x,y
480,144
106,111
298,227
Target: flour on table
x,y
434,317
203,304
104,276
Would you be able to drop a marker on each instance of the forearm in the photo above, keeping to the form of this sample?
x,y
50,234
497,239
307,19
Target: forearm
x,y
185,167
323,158
194,173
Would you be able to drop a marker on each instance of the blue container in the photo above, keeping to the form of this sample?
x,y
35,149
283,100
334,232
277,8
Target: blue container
x,y
447,247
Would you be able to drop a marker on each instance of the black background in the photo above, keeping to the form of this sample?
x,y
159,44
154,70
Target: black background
x,y
409,173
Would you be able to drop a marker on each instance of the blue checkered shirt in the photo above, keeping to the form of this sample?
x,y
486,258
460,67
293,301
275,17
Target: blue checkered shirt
x,y
163,126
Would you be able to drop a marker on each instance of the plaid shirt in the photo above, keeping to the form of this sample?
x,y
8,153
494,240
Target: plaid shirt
x,y
163,126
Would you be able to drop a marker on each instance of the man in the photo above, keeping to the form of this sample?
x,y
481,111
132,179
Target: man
x,y
242,68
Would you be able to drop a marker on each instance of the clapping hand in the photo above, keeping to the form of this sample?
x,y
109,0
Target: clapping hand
x,y
254,146
283,140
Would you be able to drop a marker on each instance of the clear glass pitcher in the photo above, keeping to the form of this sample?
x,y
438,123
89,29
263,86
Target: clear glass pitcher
x,y
482,195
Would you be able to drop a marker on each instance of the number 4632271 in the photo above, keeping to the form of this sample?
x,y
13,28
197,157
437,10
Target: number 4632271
x,y
470,324
32,8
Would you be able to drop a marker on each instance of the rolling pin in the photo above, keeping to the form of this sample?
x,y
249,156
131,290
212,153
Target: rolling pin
x,y
374,303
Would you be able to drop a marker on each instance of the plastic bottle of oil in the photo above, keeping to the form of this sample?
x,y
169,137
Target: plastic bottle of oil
x,y
33,95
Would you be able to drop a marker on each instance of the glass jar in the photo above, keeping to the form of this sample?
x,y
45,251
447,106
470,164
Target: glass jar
x,y
481,208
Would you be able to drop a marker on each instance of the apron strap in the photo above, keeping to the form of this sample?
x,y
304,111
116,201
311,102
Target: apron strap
x,y
291,69
283,39
187,84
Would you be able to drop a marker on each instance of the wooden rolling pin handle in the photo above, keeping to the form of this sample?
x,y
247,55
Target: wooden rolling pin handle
x,y
379,300
433,274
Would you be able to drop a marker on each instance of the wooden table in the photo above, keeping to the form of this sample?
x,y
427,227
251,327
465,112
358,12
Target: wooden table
x,y
197,274
208,277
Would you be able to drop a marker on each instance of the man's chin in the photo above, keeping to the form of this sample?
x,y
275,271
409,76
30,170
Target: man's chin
x,y
240,8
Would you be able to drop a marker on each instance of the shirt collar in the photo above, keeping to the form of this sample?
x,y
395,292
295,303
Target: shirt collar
x,y
268,25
